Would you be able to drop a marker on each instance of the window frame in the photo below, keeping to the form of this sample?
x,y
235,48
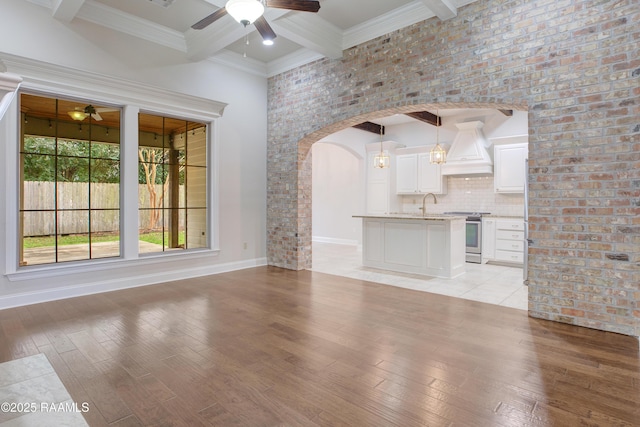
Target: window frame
x,y
132,97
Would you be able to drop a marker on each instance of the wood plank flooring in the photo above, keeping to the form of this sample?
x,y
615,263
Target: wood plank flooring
x,y
273,347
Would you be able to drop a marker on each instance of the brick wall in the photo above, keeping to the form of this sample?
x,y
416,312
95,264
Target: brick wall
x,y
573,64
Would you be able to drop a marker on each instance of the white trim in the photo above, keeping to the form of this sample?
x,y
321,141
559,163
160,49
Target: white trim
x,y
293,60
61,81
401,17
94,265
144,29
45,77
63,292
319,239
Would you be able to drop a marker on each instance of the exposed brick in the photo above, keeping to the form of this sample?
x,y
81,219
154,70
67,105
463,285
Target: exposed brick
x,y
573,63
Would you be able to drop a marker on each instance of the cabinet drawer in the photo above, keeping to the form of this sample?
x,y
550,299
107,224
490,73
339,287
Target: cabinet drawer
x,y
510,235
507,224
510,245
510,256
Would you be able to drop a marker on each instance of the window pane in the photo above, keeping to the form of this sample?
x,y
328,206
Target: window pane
x,y
196,147
38,167
38,195
72,169
196,187
38,243
70,163
39,145
73,195
168,184
73,235
105,233
197,228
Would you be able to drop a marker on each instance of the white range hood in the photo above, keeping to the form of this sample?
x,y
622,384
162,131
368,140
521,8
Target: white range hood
x,y
469,153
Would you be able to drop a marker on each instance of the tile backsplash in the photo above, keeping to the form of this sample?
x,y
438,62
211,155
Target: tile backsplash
x,y
468,194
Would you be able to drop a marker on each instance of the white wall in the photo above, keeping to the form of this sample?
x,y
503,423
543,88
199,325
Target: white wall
x,y
29,31
338,193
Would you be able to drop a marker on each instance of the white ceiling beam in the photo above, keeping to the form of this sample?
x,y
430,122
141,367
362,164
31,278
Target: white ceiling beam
x,y
312,32
202,44
65,10
443,9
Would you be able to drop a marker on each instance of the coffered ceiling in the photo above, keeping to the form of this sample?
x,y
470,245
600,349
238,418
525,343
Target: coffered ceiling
x,y
301,36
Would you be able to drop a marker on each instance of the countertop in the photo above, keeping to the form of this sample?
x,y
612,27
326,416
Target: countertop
x,y
413,216
504,216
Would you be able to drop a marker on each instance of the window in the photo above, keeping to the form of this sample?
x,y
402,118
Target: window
x,y
69,180
172,178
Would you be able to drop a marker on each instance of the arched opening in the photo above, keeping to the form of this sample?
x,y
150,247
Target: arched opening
x,y
340,187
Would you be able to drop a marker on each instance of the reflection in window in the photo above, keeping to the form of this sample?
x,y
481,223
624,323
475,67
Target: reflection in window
x,y
172,178
69,180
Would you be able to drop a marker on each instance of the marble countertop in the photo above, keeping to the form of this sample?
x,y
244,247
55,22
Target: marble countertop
x,y
413,216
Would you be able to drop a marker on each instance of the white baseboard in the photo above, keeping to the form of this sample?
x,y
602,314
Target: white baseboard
x,y
335,241
63,292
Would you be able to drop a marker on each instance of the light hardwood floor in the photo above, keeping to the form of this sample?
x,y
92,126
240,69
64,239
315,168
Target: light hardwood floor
x,y
273,347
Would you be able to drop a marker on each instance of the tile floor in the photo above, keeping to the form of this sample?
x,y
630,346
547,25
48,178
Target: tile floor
x,y
493,284
31,381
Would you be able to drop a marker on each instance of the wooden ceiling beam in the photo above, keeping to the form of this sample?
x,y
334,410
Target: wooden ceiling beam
x,y
370,127
427,117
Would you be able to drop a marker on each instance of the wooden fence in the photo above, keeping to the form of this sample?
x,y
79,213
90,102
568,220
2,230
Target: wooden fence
x,y
105,202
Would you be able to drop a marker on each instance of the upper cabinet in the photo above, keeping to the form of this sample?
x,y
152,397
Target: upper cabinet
x,y
510,167
416,175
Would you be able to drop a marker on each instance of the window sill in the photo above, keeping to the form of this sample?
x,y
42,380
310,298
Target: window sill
x,y
63,269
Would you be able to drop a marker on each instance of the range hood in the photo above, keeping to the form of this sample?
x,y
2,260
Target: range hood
x,y
468,154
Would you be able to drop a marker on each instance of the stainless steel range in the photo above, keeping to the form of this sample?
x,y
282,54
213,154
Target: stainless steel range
x,y
474,235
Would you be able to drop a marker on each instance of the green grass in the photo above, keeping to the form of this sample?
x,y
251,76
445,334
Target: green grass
x,y
73,239
156,237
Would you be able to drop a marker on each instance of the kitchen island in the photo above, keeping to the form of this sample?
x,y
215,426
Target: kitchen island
x,y
431,245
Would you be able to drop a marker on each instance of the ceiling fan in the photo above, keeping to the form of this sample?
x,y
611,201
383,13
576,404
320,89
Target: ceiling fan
x,y
79,113
249,12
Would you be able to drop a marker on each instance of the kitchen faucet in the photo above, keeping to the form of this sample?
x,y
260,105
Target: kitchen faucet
x,y
424,200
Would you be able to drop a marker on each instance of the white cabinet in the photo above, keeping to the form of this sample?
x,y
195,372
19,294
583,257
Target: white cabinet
x,y
509,167
415,174
503,240
488,239
510,240
432,247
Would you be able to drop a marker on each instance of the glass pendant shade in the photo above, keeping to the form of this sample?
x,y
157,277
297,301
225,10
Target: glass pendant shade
x,y
381,160
77,115
245,11
437,155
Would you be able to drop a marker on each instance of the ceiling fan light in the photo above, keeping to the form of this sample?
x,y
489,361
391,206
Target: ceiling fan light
x,y
267,42
245,11
77,115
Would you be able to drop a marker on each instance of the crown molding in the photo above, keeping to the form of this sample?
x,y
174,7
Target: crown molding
x,y
42,76
293,60
401,17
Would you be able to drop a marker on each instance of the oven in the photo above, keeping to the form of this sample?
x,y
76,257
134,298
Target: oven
x,y
474,239
473,234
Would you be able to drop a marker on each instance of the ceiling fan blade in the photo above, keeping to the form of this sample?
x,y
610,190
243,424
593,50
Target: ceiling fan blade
x,y
97,117
264,29
205,22
302,5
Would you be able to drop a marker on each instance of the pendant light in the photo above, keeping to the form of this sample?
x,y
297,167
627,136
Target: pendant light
x,y
437,155
381,160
